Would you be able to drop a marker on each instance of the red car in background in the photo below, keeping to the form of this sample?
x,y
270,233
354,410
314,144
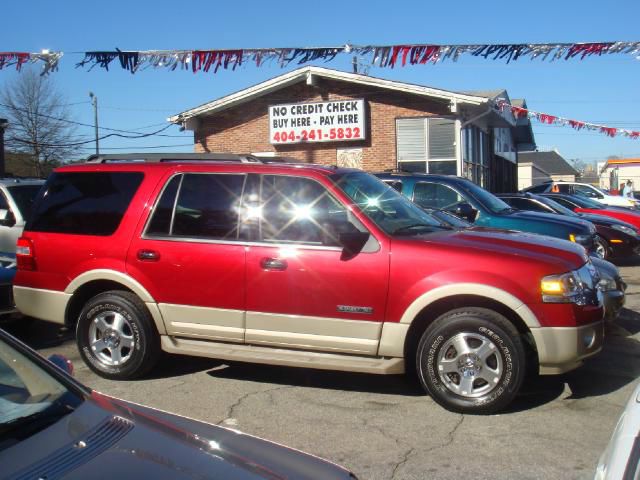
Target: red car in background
x,y
581,204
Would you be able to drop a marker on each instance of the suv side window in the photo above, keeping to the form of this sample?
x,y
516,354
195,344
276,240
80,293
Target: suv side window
x,y
587,191
564,188
300,210
207,206
436,195
84,203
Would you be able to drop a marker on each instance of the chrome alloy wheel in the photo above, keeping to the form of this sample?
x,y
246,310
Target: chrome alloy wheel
x,y
111,338
470,365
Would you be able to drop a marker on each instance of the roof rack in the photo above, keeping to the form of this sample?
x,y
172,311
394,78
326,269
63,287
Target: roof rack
x,y
171,157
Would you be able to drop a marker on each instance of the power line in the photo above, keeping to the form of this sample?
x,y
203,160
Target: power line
x,y
137,147
29,142
85,124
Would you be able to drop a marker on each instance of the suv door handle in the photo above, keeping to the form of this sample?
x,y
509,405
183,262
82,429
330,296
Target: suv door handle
x,y
148,255
273,264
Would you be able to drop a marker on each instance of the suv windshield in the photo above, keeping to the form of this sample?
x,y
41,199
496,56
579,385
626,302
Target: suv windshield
x,y
24,195
488,200
30,398
388,209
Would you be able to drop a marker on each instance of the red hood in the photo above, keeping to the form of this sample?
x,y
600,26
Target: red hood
x,y
501,242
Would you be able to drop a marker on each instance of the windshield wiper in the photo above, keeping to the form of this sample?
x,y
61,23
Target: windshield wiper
x,y
417,225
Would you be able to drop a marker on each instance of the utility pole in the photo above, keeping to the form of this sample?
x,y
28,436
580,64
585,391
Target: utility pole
x,y
94,102
3,125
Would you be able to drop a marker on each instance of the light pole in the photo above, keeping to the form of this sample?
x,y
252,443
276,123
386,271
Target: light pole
x,y
94,102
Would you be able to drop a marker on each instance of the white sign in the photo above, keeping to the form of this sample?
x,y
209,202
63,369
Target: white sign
x,y
337,121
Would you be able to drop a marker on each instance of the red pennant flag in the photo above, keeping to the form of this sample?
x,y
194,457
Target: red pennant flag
x,y
609,131
548,119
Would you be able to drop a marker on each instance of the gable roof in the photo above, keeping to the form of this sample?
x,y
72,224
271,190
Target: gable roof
x,y
307,74
552,162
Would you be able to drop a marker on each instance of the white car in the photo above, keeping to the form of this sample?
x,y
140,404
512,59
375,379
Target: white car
x,y
621,458
584,189
16,198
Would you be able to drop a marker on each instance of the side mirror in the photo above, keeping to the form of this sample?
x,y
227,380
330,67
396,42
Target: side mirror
x,y
466,211
7,219
352,243
62,362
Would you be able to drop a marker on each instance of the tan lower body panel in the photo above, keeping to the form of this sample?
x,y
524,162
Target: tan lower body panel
x,y
313,333
203,322
561,349
49,305
281,356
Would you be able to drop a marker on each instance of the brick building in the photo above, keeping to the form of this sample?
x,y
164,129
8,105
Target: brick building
x,y
326,116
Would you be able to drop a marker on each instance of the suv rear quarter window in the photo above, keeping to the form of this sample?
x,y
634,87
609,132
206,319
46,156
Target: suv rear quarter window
x,y
84,203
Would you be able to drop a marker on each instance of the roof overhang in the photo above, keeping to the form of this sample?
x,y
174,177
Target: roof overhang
x,y
310,75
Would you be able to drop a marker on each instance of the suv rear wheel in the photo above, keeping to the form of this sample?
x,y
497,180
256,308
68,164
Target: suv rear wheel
x,y
471,360
116,336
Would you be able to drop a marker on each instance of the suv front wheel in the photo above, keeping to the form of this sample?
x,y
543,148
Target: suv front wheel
x,y
116,336
471,360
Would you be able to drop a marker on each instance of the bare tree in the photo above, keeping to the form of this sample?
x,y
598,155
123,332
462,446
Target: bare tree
x,y
39,126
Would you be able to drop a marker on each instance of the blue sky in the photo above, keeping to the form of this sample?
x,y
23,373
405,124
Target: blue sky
x,y
596,90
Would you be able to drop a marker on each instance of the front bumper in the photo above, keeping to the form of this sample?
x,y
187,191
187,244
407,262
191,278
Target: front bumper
x,y
561,349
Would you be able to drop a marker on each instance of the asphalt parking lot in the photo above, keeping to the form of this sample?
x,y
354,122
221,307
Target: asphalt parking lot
x,y
385,427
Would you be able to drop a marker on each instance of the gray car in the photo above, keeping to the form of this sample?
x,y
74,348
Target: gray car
x,y
53,427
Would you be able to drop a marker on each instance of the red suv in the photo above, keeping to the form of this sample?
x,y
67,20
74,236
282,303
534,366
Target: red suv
x,y
300,265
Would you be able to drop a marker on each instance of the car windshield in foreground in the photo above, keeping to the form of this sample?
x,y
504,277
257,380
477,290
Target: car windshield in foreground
x,y
487,199
388,209
30,398
24,195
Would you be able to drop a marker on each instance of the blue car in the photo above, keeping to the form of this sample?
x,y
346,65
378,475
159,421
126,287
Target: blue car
x,y
7,305
467,200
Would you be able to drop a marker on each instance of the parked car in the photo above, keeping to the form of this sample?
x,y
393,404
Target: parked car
x,y
8,309
611,283
583,190
466,199
621,458
615,237
300,265
51,426
16,200
586,205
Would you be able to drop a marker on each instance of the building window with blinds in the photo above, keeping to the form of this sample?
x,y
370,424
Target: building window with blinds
x,y
426,145
475,156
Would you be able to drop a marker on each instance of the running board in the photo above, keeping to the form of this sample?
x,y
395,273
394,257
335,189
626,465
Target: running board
x,y
281,356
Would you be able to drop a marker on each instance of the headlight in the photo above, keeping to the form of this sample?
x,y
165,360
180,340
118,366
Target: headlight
x,y
577,286
625,229
581,239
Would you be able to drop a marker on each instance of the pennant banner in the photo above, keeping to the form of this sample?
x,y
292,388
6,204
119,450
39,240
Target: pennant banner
x,y
519,112
18,59
382,56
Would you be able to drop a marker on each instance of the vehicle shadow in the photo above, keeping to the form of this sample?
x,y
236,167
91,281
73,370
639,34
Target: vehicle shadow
x,y
405,385
612,369
38,334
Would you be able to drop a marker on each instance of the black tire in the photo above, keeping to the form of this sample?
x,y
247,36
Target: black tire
x,y
119,322
473,330
601,247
